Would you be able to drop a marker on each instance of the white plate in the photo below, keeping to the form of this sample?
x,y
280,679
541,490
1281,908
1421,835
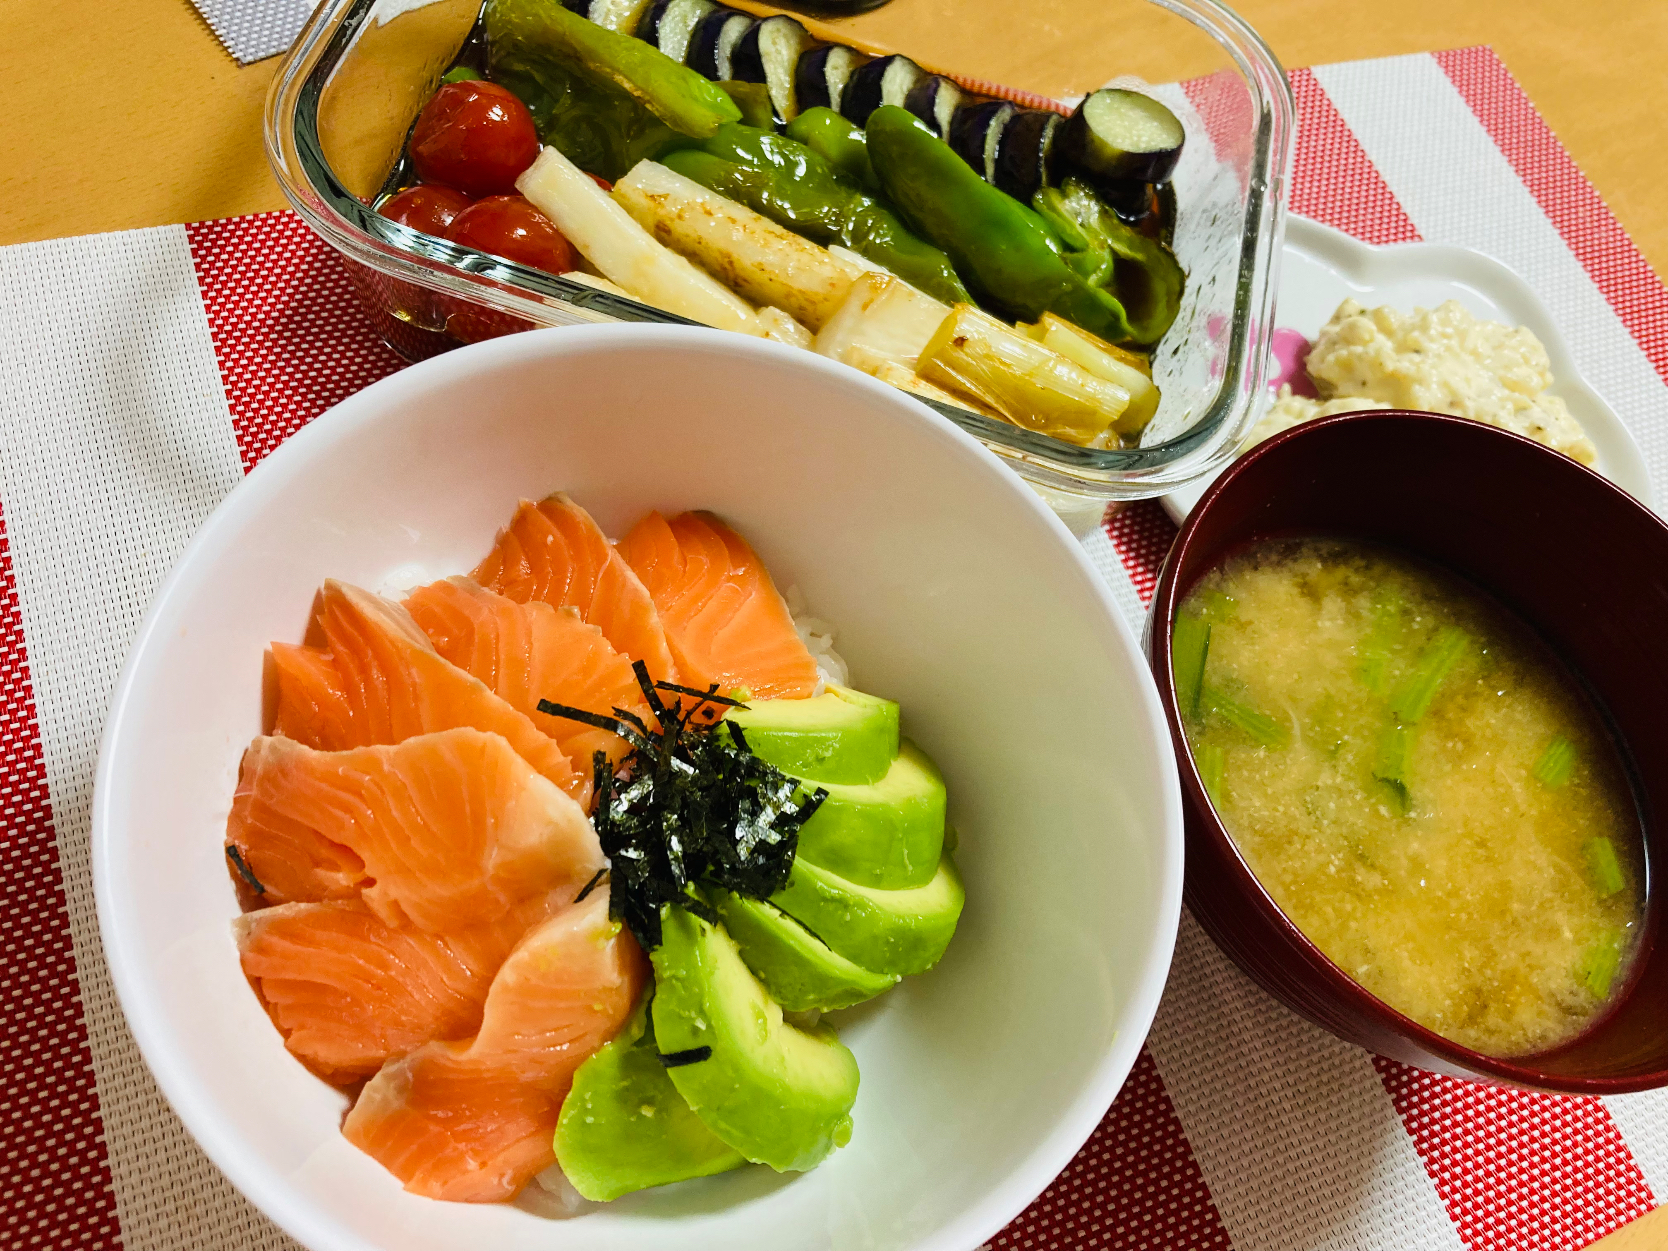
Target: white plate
x,y
1321,267
955,591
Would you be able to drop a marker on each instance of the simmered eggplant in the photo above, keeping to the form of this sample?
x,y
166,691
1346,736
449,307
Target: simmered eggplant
x,y
820,78
976,134
1122,136
884,80
935,101
769,53
669,24
620,15
1025,153
714,39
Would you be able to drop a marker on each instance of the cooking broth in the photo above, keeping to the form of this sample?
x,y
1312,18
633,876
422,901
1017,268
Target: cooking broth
x,y
1418,784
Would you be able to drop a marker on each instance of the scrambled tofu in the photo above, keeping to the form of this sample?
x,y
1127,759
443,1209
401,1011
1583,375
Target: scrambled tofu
x,y
1440,360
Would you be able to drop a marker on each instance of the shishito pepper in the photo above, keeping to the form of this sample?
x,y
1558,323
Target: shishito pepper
x,y
603,99
1004,250
1144,273
794,187
838,141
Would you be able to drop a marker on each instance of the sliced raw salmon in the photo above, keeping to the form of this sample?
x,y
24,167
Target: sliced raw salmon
x,y
531,651
441,831
553,551
350,992
723,617
380,680
473,1121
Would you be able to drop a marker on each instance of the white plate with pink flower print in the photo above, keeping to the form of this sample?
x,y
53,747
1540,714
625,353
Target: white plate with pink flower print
x,y
1322,267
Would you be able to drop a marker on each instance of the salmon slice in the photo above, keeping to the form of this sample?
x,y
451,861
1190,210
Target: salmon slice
x,y
473,1121
380,680
441,831
349,992
723,618
532,651
554,552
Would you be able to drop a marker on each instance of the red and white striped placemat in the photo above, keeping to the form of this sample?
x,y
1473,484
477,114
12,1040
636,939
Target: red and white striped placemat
x,y
142,374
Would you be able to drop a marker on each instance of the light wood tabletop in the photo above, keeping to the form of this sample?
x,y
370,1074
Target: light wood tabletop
x,y
145,120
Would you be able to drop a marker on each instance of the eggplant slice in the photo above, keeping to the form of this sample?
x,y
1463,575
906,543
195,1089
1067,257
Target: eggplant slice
x,y
669,24
620,15
1025,154
884,80
820,78
770,53
1117,135
713,40
935,101
976,134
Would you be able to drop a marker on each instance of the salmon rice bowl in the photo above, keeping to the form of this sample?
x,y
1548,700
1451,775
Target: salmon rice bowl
x,y
556,865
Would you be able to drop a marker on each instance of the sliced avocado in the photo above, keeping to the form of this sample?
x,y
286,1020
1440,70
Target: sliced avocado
x,y
778,1094
887,834
840,736
795,966
625,1127
887,931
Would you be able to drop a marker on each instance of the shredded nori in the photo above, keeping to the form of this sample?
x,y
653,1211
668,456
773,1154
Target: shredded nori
x,y
687,808
243,869
677,1059
590,886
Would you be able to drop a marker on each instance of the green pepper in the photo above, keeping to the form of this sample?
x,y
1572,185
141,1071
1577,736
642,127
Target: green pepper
x,y
1004,250
794,187
1143,272
604,99
838,141
753,102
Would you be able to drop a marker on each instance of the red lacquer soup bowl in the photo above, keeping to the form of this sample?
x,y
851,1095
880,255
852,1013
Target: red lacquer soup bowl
x,y
1582,562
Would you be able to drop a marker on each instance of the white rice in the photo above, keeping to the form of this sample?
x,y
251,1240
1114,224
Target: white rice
x,y
818,637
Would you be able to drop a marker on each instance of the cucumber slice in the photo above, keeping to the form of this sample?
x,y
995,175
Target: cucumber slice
x,y
1123,136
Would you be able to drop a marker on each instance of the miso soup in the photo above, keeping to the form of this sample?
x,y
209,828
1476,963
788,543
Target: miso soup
x,y
1419,784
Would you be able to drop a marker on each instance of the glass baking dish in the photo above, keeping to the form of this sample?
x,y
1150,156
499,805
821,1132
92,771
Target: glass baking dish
x,y
349,90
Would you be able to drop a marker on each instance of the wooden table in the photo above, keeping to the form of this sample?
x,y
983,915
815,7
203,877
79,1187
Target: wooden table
x,y
145,120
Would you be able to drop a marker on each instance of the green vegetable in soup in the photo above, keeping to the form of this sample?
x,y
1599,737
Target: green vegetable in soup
x,y
1259,726
1413,700
1189,649
1600,964
1391,766
1557,763
1603,866
1212,762
1381,639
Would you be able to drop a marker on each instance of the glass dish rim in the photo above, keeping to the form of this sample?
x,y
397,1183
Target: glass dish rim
x,y
352,228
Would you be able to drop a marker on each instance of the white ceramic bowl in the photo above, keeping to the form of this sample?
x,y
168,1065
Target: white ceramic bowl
x,y
955,591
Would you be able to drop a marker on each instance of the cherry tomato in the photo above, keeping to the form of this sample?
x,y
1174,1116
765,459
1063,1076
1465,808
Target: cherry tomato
x,y
426,207
474,136
508,226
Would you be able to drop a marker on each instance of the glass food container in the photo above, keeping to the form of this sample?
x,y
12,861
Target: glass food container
x,y
349,91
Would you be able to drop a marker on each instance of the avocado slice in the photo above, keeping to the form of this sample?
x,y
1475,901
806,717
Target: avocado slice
x,y
839,736
887,834
796,967
887,931
778,1094
625,1127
